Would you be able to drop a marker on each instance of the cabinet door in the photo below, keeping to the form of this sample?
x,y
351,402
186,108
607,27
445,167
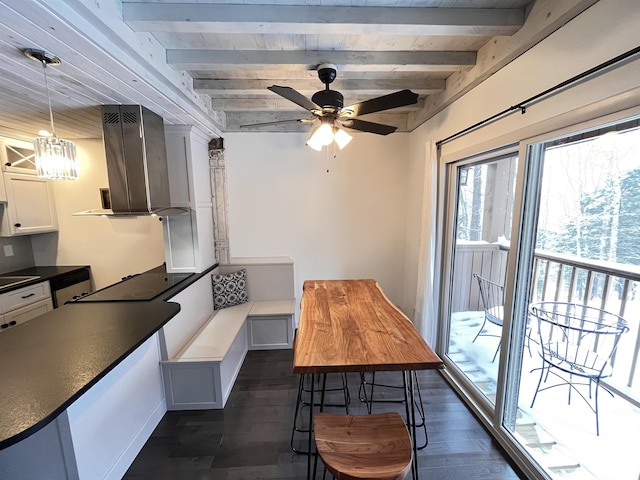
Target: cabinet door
x,y
24,314
24,296
30,206
17,156
3,192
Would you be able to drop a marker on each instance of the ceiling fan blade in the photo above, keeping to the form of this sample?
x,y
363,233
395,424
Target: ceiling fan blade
x,y
297,120
386,102
364,126
295,97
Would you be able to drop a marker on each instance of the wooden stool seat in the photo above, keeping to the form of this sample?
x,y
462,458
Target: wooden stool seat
x,y
363,447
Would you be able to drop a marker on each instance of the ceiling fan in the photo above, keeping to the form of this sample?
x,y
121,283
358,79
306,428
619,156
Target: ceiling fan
x,y
328,106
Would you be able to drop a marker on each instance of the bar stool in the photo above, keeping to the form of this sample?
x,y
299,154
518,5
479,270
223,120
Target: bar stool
x,y
364,447
369,400
304,388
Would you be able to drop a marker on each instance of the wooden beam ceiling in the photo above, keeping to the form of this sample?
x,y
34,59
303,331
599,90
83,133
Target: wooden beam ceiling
x,y
321,20
209,62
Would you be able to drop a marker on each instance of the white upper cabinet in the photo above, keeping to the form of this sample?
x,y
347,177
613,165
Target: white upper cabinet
x,y
30,207
17,156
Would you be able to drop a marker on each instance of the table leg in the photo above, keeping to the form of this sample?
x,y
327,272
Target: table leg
x,y
310,440
314,453
407,380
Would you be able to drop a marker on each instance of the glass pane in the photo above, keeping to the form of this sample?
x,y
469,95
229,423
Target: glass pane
x,y
484,209
584,311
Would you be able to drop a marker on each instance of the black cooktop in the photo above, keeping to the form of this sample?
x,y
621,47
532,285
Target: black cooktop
x,y
144,286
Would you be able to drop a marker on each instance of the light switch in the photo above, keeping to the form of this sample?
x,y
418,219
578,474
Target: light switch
x,y
8,250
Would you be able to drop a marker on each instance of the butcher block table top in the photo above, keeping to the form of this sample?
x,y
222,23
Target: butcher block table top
x,y
351,326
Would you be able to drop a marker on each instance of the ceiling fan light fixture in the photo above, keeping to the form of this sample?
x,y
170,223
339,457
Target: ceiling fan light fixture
x,y
55,157
313,142
321,136
341,138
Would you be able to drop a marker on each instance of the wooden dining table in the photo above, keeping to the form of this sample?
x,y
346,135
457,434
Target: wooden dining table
x,y
351,326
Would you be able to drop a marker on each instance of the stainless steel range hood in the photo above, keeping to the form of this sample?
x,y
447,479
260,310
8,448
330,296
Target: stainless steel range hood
x,y
136,163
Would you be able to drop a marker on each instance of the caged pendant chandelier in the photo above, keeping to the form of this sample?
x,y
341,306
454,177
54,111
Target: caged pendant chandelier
x,y
55,157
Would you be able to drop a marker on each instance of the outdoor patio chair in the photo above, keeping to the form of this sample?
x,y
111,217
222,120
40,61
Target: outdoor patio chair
x,y
492,296
577,345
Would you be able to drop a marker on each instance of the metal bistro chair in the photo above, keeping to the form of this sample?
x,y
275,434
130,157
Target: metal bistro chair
x,y
492,296
576,341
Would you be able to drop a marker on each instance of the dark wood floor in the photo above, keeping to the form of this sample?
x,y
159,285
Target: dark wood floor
x,y
250,438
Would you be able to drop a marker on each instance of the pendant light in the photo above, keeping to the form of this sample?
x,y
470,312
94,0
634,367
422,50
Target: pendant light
x,y
55,157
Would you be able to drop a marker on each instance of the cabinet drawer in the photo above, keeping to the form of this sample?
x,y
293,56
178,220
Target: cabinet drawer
x,y
24,296
21,315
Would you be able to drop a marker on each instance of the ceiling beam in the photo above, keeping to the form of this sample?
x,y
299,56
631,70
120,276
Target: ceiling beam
x,y
268,104
202,59
358,86
545,17
314,19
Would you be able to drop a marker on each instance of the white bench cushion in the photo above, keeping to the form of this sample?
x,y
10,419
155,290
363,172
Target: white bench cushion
x,y
272,307
213,340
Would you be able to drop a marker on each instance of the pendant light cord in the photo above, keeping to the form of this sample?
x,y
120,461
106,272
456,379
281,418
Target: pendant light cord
x,y
46,86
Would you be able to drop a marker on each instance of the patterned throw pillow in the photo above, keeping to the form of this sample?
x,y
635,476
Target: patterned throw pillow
x,y
229,289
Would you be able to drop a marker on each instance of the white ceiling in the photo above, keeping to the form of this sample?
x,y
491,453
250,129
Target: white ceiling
x,y
209,62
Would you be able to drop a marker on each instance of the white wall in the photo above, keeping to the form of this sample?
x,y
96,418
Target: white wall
x,y
282,202
348,223
114,247
602,32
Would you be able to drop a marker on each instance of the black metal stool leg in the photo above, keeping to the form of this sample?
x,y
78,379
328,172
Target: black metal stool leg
x,y
301,402
367,397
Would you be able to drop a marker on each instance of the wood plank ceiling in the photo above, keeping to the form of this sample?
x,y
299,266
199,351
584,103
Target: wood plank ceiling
x,y
209,62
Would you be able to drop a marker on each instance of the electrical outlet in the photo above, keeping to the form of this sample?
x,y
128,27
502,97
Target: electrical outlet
x,y
8,250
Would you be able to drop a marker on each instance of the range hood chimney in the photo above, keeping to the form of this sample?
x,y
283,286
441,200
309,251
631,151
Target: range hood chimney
x,y
136,162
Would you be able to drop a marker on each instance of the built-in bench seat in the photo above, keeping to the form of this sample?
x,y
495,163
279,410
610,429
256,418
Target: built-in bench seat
x,y
201,374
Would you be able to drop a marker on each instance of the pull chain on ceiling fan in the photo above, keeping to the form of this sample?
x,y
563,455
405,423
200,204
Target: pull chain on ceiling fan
x,y
328,106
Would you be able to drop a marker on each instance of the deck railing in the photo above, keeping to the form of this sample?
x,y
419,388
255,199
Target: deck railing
x,y
565,278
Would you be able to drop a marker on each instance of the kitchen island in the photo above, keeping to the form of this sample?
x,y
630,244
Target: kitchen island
x,y
80,386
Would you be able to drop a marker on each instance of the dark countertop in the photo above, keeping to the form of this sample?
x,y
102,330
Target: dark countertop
x,y
45,274
144,286
50,361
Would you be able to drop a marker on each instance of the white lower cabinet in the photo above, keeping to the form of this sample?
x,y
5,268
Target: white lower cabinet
x,y
270,332
23,304
33,310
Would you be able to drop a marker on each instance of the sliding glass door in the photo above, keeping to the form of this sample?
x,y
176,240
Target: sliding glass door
x,y
572,397
541,297
483,212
